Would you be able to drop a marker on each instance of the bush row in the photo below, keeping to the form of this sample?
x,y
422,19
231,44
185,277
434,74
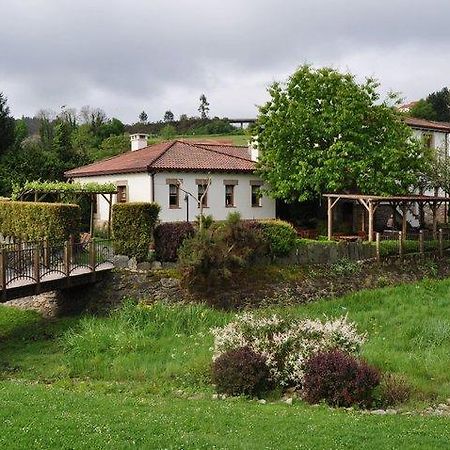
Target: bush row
x,y
169,237
254,354
132,227
276,238
32,220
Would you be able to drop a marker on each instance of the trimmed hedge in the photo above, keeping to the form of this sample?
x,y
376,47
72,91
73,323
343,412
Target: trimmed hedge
x,y
132,227
32,220
279,235
169,237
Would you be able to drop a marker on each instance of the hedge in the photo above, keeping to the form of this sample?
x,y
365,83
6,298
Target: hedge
x,y
279,235
132,227
30,220
169,237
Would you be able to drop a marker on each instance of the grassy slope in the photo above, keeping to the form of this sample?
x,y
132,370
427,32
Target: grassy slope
x,y
121,376
235,139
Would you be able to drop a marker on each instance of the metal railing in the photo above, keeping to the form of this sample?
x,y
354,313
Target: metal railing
x,y
38,261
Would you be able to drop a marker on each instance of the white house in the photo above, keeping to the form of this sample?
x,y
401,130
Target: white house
x,y
433,134
175,174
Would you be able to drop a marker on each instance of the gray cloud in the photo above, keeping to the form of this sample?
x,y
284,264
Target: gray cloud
x,y
129,55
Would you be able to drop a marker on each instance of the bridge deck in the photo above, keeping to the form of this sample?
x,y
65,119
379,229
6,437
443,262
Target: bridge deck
x,y
30,269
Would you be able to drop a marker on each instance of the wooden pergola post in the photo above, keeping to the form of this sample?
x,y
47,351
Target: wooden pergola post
x,y
371,212
330,219
91,219
404,223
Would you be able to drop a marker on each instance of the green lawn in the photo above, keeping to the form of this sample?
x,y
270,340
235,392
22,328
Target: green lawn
x,y
140,379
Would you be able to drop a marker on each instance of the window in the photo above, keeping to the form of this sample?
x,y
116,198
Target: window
x,y
174,196
202,190
122,194
256,196
229,195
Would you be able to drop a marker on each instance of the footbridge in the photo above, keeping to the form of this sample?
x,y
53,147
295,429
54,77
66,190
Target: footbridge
x,y
30,268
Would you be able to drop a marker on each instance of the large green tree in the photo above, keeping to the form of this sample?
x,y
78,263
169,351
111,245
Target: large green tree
x,y
435,107
7,125
322,131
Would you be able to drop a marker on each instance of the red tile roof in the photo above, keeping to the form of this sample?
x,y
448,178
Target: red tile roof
x,y
428,124
173,155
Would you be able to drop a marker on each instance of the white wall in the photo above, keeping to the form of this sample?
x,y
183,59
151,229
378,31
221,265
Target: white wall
x,y
140,187
216,197
441,140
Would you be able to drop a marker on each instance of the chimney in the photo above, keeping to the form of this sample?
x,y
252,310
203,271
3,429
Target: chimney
x,y
254,150
138,141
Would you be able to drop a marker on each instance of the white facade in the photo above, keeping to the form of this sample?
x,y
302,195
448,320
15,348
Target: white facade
x,y
140,187
437,139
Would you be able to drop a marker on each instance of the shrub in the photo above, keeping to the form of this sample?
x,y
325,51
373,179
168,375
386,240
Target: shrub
x,y
287,344
205,260
241,372
211,256
132,226
169,237
394,390
345,267
339,379
31,220
280,236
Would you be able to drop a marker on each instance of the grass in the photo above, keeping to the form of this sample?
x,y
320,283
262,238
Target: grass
x,y
234,139
140,378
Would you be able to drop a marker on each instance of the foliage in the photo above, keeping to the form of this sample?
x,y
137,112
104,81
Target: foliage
x,y
394,390
280,236
168,116
345,267
112,146
203,109
286,344
339,379
64,188
205,260
143,117
241,371
169,237
440,101
7,126
423,110
206,221
132,227
212,256
168,132
26,220
322,131
437,171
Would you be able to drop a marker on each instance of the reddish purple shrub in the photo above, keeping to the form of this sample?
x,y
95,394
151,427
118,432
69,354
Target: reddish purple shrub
x,y
169,237
241,372
339,379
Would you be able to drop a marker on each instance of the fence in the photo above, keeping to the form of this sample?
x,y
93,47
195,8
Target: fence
x,y
398,243
35,262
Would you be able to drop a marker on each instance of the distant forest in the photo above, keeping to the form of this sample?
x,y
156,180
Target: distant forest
x,y
46,145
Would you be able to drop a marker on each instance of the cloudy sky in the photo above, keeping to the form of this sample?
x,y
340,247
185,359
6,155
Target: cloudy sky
x,y
128,55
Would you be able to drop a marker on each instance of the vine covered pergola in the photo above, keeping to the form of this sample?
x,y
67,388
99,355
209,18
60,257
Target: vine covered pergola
x,y
372,202
39,191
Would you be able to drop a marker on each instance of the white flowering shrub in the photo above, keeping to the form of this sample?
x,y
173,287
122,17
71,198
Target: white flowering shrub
x,y
286,344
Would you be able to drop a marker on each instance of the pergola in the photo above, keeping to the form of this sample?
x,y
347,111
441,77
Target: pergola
x,y
372,202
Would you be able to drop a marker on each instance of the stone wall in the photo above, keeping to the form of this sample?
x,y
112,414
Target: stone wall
x,y
329,253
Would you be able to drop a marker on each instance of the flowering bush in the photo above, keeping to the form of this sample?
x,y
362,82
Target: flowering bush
x,y
241,371
286,344
339,379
